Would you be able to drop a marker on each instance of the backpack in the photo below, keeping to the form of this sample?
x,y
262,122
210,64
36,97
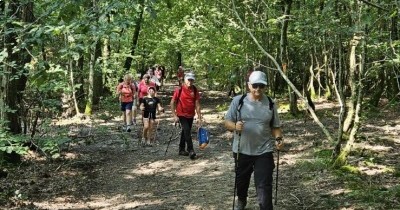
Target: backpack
x,y
271,107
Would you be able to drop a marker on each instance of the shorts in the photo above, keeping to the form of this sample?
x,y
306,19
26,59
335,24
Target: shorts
x,y
126,106
150,115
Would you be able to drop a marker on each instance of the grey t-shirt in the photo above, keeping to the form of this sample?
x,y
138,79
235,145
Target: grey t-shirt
x,y
256,137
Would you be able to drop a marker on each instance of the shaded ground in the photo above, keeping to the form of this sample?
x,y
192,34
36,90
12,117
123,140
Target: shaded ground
x,y
112,171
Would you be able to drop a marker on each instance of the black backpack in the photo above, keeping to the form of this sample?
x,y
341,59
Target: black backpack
x,y
271,107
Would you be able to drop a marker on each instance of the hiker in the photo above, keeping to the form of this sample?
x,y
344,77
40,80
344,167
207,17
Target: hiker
x,y
180,75
185,103
153,77
254,119
150,105
135,99
143,88
126,91
234,83
158,75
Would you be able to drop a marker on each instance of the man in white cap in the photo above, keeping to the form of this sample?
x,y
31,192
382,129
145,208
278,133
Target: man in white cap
x,y
185,103
254,119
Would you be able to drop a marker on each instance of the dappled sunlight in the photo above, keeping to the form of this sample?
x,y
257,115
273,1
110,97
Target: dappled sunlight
x,y
291,159
71,156
115,202
374,148
196,207
179,168
193,169
156,167
340,191
374,169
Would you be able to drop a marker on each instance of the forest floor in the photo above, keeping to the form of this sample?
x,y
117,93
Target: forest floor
x,y
110,170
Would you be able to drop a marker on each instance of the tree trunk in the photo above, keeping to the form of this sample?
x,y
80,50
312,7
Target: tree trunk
x,y
352,83
342,158
105,54
89,100
72,81
284,54
3,78
380,88
135,38
14,88
98,76
340,95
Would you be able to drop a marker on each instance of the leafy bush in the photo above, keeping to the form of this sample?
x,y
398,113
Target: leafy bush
x,y
11,144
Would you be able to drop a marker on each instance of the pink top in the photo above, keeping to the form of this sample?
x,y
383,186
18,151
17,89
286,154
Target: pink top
x,y
143,87
127,91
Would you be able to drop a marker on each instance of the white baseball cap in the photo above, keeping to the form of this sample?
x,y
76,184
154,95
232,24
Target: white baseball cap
x,y
258,77
189,76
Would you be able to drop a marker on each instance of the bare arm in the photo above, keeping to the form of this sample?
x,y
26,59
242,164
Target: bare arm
x,y
198,108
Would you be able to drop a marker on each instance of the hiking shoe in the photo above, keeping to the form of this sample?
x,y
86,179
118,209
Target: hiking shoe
x,y
128,128
240,205
149,144
192,155
183,153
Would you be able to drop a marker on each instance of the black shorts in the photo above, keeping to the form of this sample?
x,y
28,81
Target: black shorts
x,y
150,115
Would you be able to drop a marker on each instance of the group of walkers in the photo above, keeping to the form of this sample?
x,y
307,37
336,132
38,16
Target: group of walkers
x,y
253,118
185,104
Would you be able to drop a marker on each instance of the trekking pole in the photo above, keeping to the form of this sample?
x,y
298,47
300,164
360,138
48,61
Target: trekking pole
x,y
236,170
170,138
277,171
237,163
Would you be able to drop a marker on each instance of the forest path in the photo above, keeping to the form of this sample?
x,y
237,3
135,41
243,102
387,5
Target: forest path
x,y
114,172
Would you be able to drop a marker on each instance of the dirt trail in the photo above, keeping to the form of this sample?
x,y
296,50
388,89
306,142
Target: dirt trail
x,y
115,172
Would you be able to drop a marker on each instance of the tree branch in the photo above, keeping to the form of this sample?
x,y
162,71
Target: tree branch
x,y
315,117
374,5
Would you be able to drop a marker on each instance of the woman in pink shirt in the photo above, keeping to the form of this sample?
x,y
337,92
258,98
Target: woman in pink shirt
x,y
126,91
158,74
143,87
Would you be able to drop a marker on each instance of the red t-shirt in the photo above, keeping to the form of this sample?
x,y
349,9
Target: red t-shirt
x,y
143,87
186,104
127,91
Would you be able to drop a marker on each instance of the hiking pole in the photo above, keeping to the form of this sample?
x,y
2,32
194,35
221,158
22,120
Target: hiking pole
x,y
236,170
279,139
237,162
170,138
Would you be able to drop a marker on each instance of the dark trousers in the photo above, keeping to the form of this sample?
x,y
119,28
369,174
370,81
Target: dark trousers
x,y
263,167
186,134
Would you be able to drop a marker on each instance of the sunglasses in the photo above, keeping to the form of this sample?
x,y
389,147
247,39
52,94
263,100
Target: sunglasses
x,y
258,85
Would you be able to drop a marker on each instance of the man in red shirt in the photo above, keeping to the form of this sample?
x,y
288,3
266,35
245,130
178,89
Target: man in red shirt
x,y
185,103
180,75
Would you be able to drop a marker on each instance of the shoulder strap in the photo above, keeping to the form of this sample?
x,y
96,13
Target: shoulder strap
x,y
271,107
241,102
180,92
271,103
